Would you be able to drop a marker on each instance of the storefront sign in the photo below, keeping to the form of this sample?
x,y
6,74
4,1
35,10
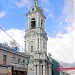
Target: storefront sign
x,y
6,70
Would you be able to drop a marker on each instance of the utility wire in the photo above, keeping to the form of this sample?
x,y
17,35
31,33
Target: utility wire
x,y
10,37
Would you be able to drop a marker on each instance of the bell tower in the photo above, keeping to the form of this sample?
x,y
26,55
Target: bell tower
x,y
35,35
36,42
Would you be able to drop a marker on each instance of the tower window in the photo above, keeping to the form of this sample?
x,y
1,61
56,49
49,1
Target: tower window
x,y
18,61
23,61
33,23
33,9
31,48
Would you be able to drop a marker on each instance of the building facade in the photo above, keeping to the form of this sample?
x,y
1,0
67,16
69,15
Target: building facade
x,y
16,59
36,42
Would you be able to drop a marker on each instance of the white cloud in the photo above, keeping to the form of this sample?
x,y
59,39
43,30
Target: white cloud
x,y
2,14
45,1
49,12
46,4
46,10
23,3
50,15
16,34
66,19
68,13
62,47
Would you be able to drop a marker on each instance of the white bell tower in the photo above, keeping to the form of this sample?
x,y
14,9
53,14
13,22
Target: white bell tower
x,y
36,37
36,42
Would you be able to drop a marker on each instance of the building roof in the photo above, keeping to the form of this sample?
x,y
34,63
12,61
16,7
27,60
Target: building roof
x,y
10,50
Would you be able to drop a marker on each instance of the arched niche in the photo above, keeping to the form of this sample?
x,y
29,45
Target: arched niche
x,y
31,46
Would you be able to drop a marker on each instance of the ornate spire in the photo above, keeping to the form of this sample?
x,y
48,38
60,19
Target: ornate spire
x,y
36,2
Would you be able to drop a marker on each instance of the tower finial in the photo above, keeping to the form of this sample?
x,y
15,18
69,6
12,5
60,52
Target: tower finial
x,y
36,2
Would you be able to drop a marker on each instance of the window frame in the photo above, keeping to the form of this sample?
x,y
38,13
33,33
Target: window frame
x,y
4,59
31,48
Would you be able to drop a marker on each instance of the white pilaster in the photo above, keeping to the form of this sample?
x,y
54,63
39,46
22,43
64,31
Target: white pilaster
x,y
39,44
25,46
36,45
37,20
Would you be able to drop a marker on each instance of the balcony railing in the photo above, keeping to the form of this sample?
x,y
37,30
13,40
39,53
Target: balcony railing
x,y
19,65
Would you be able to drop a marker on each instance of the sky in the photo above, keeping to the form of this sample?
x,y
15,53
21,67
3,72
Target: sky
x,y
59,25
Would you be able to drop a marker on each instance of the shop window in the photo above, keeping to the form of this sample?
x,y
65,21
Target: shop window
x,y
18,61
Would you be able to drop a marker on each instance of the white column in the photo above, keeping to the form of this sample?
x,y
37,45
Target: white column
x,y
25,46
36,44
35,70
39,44
38,70
37,19
44,70
50,72
47,70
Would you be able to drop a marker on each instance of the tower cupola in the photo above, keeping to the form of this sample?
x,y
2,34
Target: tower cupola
x,y
36,17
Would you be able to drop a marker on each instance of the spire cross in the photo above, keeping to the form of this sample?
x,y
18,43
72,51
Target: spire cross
x,y
36,2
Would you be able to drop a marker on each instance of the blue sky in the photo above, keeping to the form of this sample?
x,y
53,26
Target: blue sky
x,y
15,10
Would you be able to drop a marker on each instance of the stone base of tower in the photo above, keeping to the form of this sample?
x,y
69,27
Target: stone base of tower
x,y
40,64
